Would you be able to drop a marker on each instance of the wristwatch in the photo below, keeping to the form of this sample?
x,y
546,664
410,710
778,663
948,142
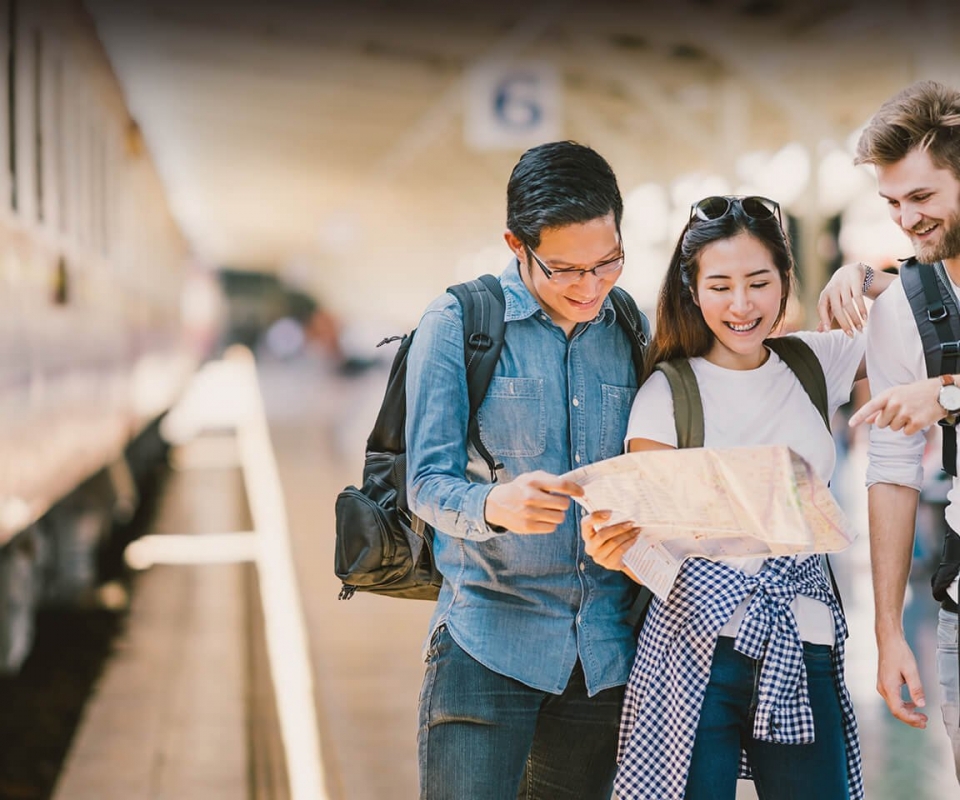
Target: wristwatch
x,y
949,397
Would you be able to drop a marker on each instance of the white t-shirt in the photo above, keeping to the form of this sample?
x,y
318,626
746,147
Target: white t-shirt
x,y
767,405
894,357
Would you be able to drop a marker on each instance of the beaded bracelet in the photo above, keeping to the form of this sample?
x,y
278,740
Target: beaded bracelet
x,y
867,277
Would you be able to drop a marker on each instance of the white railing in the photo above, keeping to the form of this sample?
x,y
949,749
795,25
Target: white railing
x,y
226,394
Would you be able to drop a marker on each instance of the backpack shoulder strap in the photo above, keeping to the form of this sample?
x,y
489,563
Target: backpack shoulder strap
x,y
635,323
637,327
938,320
801,359
687,405
936,315
483,330
388,435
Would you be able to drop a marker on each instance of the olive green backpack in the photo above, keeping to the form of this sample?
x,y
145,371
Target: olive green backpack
x,y
688,409
688,416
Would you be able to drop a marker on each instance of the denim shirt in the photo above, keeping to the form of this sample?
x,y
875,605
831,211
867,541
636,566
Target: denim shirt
x,y
525,606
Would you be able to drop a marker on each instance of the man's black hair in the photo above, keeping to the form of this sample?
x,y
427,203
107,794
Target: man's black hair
x,y
557,184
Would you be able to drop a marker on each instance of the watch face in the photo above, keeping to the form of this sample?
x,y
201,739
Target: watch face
x,y
950,398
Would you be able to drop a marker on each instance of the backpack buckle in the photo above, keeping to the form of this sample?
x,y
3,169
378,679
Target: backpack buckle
x,y
480,340
950,348
937,314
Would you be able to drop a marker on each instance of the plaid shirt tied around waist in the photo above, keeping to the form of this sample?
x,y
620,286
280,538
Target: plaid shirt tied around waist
x,y
674,657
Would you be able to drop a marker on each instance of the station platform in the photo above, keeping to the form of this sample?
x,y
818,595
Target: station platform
x,y
183,708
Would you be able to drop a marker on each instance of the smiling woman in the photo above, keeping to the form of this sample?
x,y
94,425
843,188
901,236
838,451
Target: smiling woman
x,y
740,294
700,707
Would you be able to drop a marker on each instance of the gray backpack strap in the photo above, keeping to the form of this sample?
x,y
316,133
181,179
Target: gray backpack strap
x,y
803,362
935,312
687,406
934,308
938,320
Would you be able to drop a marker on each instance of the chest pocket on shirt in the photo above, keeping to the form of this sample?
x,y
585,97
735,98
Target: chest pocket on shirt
x,y
512,418
614,414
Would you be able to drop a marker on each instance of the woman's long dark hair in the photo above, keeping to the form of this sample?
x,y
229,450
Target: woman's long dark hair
x,y
681,331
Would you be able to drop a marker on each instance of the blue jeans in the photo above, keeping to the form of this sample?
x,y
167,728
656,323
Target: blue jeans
x,y
484,736
780,771
949,670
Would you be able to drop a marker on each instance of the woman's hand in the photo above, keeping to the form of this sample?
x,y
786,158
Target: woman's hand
x,y
842,299
607,543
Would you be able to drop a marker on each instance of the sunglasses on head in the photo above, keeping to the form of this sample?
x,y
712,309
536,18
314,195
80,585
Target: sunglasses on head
x,y
758,208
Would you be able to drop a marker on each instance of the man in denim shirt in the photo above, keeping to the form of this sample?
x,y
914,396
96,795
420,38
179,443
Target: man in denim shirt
x,y
529,646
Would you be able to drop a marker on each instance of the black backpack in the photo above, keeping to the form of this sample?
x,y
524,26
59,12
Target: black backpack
x,y
938,320
382,547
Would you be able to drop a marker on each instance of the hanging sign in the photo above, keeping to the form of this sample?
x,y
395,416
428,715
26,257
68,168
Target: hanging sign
x,y
511,105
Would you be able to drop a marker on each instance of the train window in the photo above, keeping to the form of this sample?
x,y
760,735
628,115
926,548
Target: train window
x,y
83,135
38,119
61,283
96,189
12,100
60,166
104,205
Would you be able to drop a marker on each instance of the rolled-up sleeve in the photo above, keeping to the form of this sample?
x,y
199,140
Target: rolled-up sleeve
x,y
894,357
438,410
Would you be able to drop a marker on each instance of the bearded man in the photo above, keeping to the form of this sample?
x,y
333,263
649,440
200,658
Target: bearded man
x,y
913,142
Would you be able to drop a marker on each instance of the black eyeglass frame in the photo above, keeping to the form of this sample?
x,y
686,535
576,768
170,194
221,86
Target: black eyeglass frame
x,y
749,204
580,273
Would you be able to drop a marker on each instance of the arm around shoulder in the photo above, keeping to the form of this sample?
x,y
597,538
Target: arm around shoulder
x,y
842,299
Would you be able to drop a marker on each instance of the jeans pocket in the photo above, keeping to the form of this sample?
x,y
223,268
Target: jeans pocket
x,y
818,659
433,649
811,650
947,633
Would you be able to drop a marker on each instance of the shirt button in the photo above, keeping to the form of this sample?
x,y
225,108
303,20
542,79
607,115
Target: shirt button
x,y
579,619
577,458
582,566
576,402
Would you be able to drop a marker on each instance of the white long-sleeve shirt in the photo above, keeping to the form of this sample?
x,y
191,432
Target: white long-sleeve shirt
x,y
895,357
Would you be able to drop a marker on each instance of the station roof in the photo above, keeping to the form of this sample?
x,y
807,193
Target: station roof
x,y
330,131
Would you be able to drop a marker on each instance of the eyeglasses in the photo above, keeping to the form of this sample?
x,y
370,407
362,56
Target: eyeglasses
x,y
568,277
758,208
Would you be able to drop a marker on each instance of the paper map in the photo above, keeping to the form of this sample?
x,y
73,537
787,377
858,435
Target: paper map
x,y
740,501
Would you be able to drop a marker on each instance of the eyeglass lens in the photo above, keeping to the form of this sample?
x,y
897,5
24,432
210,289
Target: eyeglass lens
x,y
601,271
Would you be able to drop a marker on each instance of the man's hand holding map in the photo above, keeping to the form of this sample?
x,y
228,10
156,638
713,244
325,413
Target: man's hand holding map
x,y
744,501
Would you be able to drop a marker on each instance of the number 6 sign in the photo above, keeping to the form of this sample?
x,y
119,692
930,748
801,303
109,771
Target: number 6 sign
x,y
511,105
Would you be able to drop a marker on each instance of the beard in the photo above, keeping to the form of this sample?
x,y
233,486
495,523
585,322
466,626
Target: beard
x,y
947,247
